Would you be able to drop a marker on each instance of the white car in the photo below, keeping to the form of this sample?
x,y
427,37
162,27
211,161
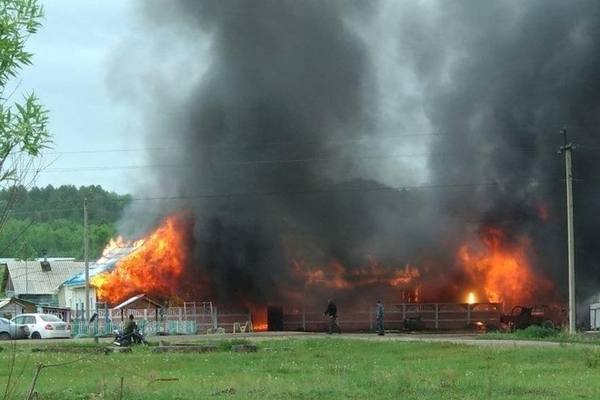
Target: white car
x,y
44,326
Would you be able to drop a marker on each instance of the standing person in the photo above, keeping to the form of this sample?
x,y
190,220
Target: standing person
x,y
379,311
331,312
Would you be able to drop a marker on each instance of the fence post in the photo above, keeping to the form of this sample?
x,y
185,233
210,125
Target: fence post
x,y
468,314
303,319
76,320
106,319
403,312
437,312
216,318
370,318
179,321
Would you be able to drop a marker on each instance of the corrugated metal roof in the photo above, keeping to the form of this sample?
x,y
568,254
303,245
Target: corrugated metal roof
x,y
28,278
104,264
136,298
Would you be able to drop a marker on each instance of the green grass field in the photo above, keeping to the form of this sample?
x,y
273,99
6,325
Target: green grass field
x,y
545,334
327,368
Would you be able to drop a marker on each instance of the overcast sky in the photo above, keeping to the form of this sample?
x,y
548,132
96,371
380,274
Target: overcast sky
x,y
83,42
72,54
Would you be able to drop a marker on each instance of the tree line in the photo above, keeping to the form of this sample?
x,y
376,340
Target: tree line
x,y
49,221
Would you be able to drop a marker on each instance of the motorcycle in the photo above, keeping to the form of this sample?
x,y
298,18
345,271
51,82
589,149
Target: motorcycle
x,y
126,340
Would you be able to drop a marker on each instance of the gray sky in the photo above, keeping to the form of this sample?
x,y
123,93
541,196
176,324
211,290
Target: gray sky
x,y
71,62
77,50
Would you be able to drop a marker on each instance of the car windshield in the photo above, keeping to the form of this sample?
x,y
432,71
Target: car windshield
x,y
50,318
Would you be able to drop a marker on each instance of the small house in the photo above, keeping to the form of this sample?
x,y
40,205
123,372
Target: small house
x,y
139,302
12,307
37,281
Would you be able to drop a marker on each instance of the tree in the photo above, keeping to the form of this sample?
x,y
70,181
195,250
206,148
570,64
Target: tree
x,y
23,125
49,220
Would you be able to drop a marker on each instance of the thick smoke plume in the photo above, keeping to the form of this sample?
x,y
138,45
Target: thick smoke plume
x,y
501,81
278,114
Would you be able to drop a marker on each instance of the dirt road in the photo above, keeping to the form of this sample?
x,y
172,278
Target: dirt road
x,y
464,339
470,339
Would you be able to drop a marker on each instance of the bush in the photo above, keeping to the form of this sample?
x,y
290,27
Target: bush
x,y
225,345
536,332
592,359
414,324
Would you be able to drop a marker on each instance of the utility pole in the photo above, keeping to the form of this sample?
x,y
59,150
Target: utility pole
x,y
567,149
85,259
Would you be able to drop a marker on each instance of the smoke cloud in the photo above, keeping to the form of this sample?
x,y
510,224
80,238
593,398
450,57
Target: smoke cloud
x,y
513,74
295,126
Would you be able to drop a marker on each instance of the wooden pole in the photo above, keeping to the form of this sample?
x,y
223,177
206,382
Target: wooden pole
x,y
85,259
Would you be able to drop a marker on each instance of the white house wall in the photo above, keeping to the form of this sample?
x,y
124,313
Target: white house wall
x,y
73,297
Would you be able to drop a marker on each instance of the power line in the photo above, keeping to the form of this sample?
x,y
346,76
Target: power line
x,y
256,162
329,190
53,210
253,162
293,192
130,150
261,144
246,145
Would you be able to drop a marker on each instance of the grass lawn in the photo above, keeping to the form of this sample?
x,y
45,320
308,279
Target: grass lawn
x,y
545,334
327,368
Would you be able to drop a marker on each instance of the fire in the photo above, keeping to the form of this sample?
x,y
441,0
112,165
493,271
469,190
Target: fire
x,y
336,276
155,266
503,271
471,298
259,318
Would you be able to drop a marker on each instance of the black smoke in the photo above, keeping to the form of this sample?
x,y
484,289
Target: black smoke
x,y
514,74
280,135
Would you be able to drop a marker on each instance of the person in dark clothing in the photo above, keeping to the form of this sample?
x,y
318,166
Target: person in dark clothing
x,y
379,311
331,312
130,326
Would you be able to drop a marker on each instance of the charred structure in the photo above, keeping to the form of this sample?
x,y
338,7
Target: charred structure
x,y
290,168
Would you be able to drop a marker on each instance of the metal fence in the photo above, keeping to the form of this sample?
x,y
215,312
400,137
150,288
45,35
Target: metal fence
x,y
190,319
437,316
148,328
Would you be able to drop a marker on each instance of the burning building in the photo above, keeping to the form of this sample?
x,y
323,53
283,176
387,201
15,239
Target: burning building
x,y
363,149
160,264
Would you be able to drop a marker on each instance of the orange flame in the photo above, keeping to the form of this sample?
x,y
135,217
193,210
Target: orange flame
x,y
259,318
336,276
503,271
154,268
471,298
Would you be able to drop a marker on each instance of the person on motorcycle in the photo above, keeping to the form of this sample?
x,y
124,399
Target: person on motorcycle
x,y
130,326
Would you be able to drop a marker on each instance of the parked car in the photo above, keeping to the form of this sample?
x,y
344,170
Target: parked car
x,y
10,330
44,326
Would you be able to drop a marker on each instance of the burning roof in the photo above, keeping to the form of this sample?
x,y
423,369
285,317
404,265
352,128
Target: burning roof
x,y
154,265
114,251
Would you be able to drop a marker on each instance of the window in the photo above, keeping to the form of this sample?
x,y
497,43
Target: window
x,y
19,320
30,319
50,318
